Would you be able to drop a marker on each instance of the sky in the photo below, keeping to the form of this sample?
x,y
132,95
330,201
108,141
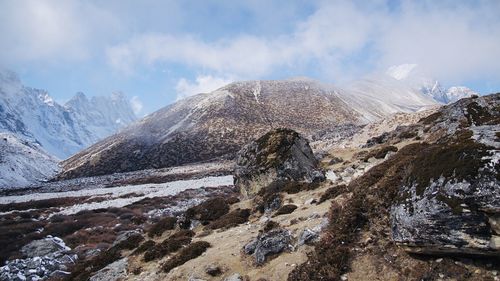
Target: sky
x,y
157,52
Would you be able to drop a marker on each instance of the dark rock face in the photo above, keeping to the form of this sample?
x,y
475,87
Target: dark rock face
x,y
279,155
450,201
272,242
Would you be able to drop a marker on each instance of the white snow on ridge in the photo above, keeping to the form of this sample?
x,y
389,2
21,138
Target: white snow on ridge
x,y
23,162
144,191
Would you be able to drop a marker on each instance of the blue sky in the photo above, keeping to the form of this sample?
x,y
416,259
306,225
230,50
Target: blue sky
x,y
159,51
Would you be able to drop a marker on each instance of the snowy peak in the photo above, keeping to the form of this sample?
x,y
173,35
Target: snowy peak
x,y
23,162
413,77
455,93
61,130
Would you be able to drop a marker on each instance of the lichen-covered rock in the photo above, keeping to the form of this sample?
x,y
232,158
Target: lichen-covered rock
x,y
272,242
450,200
279,155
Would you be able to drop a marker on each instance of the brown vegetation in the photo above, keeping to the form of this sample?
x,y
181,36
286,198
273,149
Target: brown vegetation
x,y
164,224
231,219
186,254
285,209
332,192
169,245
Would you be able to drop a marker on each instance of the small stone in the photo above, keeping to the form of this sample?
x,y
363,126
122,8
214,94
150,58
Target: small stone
x,y
310,201
343,277
307,236
213,270
234,277
439,260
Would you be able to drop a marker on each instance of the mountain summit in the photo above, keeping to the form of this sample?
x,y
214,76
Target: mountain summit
x,y
61,130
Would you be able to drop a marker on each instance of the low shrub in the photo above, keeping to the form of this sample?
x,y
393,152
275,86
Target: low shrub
x,y
332,192
209,210
231,219
83,270
164,224
144,247
169,245
285,209
188,253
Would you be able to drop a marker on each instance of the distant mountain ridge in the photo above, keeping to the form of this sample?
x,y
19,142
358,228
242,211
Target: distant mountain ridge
x,y
61,130
411,76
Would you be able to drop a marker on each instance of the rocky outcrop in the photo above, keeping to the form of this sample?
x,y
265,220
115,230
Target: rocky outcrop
x,y
272,242
44,258
451,200
280,155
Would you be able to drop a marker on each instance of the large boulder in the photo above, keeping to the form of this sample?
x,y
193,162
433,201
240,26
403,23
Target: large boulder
x,y
450,200
43,247
279,155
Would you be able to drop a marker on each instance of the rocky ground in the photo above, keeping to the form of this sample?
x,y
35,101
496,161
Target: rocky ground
x,y
372,216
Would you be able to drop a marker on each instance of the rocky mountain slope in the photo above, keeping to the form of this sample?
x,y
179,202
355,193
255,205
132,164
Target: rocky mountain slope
x,y
22,162
61,130
417,201
217,124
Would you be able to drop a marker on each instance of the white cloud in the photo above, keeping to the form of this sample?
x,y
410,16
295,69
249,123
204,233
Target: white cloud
x,y
452,40
203,84
48,31
136,104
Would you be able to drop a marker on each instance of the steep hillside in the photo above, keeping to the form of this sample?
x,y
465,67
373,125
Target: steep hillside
x,y
217,124
23,163
60,130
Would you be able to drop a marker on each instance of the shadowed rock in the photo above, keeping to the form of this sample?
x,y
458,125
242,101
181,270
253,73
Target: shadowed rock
x,y
280,155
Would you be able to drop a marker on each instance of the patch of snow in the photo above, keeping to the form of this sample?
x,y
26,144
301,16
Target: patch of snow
x,y
113,193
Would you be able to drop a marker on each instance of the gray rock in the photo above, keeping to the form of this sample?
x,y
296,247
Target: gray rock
x,y
272,242
280,155
112,272
451,200
52,264
125,236
307,236
43,247
250,247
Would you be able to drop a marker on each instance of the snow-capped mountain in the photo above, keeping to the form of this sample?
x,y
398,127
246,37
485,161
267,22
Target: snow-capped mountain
x,y
413,77
213,125
23,162
61,130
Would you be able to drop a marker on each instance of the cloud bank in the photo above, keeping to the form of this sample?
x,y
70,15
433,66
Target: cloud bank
x,y
450,39
333,40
